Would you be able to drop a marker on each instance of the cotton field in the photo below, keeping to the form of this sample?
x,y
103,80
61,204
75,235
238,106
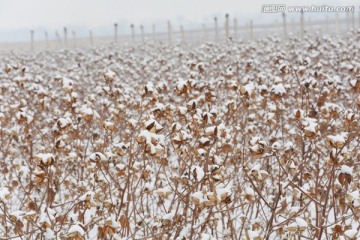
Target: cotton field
x,y
226,140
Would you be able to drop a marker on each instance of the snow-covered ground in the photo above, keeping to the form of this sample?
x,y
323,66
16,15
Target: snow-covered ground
x,y
227,140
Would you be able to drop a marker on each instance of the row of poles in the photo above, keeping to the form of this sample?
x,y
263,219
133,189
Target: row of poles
x,y
249,29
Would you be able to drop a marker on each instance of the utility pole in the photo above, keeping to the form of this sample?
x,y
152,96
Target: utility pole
x,y
46,40
142,33
115,32
132,33
74,38
91,38
227,26
327,24
169,32
284,25
154,33
182,33
337,23
216,30
251,30
65,36
302,25
235,29
204,33
32,40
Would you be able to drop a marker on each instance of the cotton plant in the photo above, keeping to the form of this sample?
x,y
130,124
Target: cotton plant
x,y
225,140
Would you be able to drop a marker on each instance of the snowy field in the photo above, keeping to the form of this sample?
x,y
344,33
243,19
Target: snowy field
x,y
227,140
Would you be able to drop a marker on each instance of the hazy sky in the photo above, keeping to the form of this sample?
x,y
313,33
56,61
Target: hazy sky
x,y
17,17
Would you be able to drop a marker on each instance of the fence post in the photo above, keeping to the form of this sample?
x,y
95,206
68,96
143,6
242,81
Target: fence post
x,y
359,17
276,27
169,31
302,25
284,25
204,32
46,40
32,40
65,36
227,26
235,29
337,23
216,30
58,38
353,19
154,33
74,38
327,24
251,30
182,33
132,33
142,33
91,38
115,32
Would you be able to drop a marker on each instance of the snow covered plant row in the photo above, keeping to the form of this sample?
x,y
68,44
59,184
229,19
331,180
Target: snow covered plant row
x,y
230,140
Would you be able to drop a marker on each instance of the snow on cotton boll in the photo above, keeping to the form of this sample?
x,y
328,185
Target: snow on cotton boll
x,y
4,194
76,232
258,174
223,193
88,199
253,235
345,175
336,141
284,68
198,197
164,192
311,127
46,220
248,90
230,72
298,113
351,234
355,84
167,219
109,76
121,148
249,194
61,125
182,87
277,91
67,84
198,173
109,126
182,110
257,146
151,92
153,126
153,143
24,117
108,228
205,236
192,104
88,114
353,199
211,131
276,146
45,159
298,226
